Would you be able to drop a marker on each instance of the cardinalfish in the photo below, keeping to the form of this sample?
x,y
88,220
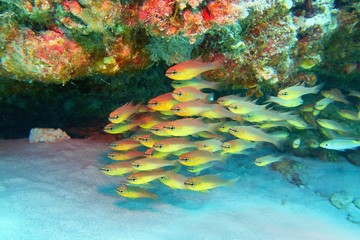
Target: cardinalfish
x,y
191,68
172,144
298,91
323,103
210,145
348,114
152,153
220,112
190,94
124,112
198,168
237,146
245,107
117,169
266,160
162,102
189,126
253,134
265,115
149,121
340,144
286,103
173,180
134,192
196,83
335,94
146,164
198,157
159,130
354,93
145,176
225,126
206,182
227,100
123,156
148,140
117,128
191,108
330,124
124,145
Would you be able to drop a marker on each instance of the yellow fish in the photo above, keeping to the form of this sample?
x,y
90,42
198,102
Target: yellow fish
x,y
268,125
323,103
124,145
286,103
149,121
266,160
198,168
210,145
191,108
162,102
330,124
298,91
265,115
253,134
313,143
196,83
335,94
123,156
117,128
152,153
145,176
191,68
206,182
227,100
354,93
148,140
298,123
351,115
190,94
159,130
296,143
172,144
245,107
340,144
220,112
188,126
237,146
124,112
146,164
198,157
225,126
134,192
173,180
117,169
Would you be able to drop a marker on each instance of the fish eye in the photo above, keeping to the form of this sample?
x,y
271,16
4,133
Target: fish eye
x,y
235,107
172,127
204,145
284,93
136,165
116,116
185,159
155,103
159,145
133,179
105,169
111,155
173,71
233,129
121,191
179,93
113,145
177,109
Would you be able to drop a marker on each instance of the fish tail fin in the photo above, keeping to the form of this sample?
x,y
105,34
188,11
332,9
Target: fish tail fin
x,y
213,127
153,196
318,87
279,143
231,182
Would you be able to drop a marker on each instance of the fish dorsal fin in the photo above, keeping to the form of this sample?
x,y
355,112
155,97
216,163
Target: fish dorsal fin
x,y
198,59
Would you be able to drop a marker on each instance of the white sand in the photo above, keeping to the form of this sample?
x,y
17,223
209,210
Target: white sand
x,y
55,191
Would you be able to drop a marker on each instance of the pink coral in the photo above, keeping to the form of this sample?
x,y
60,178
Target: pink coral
x,y
48,57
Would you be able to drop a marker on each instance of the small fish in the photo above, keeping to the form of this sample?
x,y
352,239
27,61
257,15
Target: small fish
x,y
117,128
313,143
191,108
198,157
159,130
227,100
146,164
196,83
323,103
162,102
266,160
145,176
124,112
340,144
298,91
149,121
210,145
286,103
354,93
253,134
348,114
148,140
152,153
224,127
117,169
172,144
173,180
190,94
245,107
276,124
220,112
298,123
191,68
123,156
265,115
307,108
330,124
189,126
134,192
335,94
296,143
206,182
124,145
198,168
237,146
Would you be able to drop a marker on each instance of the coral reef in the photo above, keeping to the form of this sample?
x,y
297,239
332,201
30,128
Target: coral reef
x,y
48,135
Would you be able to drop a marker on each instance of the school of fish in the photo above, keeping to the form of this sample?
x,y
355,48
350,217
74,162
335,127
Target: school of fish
x,y
186,131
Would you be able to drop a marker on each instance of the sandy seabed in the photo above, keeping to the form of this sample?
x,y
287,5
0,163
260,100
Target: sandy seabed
x,y
56,191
